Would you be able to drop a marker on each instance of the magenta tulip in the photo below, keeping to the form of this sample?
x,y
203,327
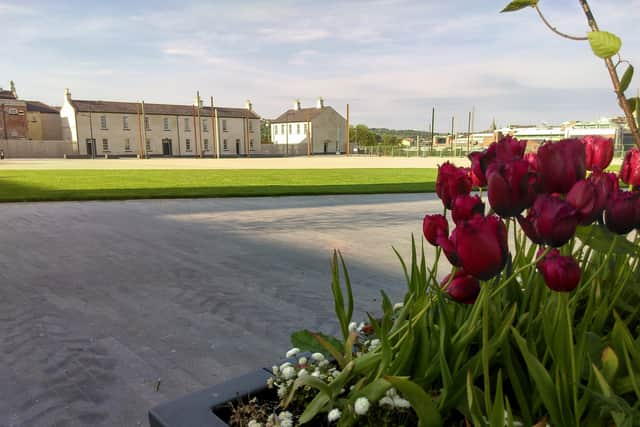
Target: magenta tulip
x,y
512,187
466,207
560,273
452,182
630,170
481,246
621,214
560,165
554,219
598,152
434,226
463,287
532,158
585,197
507,149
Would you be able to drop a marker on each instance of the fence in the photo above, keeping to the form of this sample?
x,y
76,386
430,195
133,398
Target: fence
x,y
25,148
399,151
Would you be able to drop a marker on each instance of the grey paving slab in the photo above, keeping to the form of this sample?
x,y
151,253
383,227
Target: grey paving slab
x,y
109,308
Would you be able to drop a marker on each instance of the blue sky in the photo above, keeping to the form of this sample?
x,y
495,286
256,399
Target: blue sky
x,y
391,60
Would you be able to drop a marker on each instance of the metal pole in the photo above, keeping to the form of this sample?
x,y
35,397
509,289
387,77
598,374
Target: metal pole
x,y
144,127
347,144
287,138
453,118
214,131
139,132
215,113
433,126
469,134
246,132
308,135
195,132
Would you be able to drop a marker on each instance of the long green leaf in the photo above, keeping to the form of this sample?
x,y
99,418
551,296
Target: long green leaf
x,y
626,78
519,4
421,402
306,341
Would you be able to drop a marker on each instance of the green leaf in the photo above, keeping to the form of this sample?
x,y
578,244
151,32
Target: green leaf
x,y
626,78
519,4
632,103
421,402
305,341
497,412
331,349
310,381
319,403
600,239
610,364
604,44
604,385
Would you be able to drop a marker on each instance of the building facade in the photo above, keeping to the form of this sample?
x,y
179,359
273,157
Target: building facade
x,y
322,127
98,128
43,122
13,115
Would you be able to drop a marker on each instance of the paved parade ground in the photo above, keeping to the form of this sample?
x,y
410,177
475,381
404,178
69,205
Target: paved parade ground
x,y
109,308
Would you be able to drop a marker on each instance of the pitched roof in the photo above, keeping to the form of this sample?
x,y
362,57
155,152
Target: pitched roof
x,y
40,107
301,115
6,94
160,109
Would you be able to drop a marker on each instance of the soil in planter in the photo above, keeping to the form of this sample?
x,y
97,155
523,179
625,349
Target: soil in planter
x,y
260,406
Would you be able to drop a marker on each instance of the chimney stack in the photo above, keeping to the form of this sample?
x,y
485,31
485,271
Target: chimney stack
x,y
296,105
12,88
320,103
249,105
67,94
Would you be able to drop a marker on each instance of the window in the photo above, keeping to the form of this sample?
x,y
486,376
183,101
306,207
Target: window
x,y
206,145
306,127
225,147
224,126
187,124
251,145
147,145
127,144
147,123
298,128
290,129
282,129
205,126
105,145
165,122
103,122
275,130
125,122
187,144
250,126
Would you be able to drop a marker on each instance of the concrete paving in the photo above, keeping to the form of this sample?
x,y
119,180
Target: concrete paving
x,y
109,308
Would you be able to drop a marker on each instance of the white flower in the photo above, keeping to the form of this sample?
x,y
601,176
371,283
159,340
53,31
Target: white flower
x,y
375,343
254,423
398,305
302,361
362,405
360,326
391,392
317,357
288,372
270,382
302,372
286,423
293,352
275,370
334,415
316,374
401,403
284,365
386,401
353,327
285,415
323,363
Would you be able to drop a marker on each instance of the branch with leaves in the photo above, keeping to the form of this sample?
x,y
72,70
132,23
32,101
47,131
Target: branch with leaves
x,y
605,45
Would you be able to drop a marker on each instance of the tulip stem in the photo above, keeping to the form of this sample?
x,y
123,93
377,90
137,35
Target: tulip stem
x,y
555,30
520,270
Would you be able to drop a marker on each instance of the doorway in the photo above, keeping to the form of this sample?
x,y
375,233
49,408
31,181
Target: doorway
x,y
326,147
167,149
237,147
91,148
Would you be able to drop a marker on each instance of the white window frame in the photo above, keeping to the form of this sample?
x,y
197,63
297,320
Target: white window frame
x,y
103,122
125,123
165,122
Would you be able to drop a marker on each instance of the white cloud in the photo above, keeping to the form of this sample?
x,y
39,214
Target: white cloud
x,y
293,35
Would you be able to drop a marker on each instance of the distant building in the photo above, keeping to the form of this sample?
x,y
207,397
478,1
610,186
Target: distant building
x,y
43,122
13,123
322,127
98,128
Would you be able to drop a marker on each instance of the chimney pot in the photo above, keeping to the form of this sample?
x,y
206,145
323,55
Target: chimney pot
x,y
249,105
320,103
296,105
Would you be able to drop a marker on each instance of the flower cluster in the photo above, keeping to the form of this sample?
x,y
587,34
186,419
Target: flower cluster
x,y
315,365
548,193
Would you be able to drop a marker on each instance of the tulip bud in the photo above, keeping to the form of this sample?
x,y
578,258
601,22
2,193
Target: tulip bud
x,y
481,246
584,197
505,150
463,287
630,170
478,179
433,226
554,219
598,152
560,165
621,214
560,273
452,182
512,187
466,207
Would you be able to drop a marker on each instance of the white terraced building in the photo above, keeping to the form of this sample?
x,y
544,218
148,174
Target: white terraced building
x,y
98,128
322,127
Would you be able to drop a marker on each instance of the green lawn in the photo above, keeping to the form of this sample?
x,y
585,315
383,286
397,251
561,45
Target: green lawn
x,y
49,185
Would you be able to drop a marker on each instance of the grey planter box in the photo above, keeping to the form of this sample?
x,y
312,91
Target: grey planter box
x,y
197,409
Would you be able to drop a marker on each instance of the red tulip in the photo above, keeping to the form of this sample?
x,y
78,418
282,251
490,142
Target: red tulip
x,y
449,249
598,152
621,214
554,219
434,226
481,246
452,182
463,287
630,170
585,197
607,183
478,179
528,225
508,148
512,187
466,207
532,158
560,165
560,273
